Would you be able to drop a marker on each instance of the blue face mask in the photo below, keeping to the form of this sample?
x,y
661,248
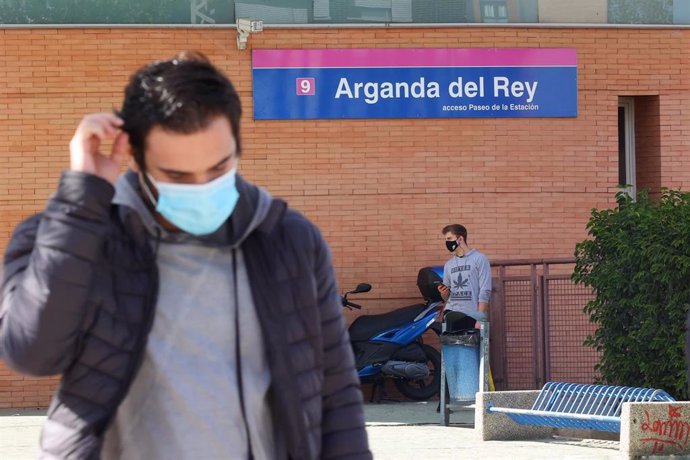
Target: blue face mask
x,y
198,209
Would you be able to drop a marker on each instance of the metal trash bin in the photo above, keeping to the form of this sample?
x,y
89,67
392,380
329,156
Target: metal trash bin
x,y
461,355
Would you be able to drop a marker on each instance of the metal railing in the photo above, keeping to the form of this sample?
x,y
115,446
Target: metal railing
x,y
538,324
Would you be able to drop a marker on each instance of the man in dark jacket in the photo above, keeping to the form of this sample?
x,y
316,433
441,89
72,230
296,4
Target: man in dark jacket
x,y
190,314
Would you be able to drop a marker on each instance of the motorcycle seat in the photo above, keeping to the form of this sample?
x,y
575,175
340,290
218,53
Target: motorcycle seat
x,y
365,327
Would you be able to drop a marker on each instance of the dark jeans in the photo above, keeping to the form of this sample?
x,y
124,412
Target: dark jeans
x,y
456,321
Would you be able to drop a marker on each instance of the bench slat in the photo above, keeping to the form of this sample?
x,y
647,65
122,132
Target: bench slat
x,y
561,420
564,415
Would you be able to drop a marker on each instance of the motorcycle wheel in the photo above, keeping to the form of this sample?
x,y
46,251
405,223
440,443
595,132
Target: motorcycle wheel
x,y
421,390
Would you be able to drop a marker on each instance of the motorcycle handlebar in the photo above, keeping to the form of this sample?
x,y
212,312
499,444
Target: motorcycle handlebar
x,y
361,287
348,304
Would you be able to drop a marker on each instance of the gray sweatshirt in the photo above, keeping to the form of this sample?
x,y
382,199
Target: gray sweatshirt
x,y
185,400
469,280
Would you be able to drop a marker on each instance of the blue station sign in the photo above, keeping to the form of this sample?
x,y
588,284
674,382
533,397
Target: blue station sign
x,y
414,83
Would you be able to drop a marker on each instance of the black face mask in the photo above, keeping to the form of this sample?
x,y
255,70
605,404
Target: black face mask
x,y
451,245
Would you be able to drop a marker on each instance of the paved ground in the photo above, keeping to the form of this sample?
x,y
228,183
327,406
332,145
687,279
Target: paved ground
x,y
413,431
19,434
396,431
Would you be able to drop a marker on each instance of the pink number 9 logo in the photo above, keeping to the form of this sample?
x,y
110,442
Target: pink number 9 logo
x,y
306,86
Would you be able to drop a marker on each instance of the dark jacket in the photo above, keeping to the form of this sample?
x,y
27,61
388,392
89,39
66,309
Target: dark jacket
x,y
78,299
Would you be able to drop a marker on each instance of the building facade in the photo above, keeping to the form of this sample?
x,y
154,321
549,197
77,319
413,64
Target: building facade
x,y
380,189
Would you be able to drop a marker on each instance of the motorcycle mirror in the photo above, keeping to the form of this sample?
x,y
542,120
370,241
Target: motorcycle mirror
x,y
362,287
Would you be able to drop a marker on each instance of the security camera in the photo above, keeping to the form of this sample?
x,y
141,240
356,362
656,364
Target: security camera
x,y
246,26
249,26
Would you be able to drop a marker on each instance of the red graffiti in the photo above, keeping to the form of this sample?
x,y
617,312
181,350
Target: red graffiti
x,y
667,432
658,447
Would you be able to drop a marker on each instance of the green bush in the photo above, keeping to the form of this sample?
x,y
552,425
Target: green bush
x,y
637,263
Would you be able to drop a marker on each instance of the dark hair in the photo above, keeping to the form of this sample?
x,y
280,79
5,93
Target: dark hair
x,y
183,95
457,230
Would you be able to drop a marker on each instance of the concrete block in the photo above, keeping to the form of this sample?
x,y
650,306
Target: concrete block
x,y
655,429
499,426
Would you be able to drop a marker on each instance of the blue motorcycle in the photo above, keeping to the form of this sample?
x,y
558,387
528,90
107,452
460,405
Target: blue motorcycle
x,y
390,346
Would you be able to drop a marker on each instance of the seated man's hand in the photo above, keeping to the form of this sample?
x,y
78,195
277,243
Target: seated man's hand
x,y
444,291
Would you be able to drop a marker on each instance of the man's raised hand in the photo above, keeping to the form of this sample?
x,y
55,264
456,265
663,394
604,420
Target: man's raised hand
x,y
85,146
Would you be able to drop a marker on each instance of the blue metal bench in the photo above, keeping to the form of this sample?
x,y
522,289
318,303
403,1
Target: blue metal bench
x,y
579,406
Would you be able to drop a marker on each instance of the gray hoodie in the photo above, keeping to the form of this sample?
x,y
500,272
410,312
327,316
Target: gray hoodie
x,y
186,400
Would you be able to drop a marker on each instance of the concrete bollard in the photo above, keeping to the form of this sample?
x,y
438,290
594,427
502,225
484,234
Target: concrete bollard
x,y
655,428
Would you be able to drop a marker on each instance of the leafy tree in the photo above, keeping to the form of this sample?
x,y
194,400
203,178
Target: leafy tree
x,y
637,262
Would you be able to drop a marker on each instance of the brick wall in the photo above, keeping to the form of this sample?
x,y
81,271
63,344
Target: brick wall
x,y
380,190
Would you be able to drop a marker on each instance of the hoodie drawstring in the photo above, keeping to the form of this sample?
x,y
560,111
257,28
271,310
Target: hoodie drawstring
x,y
238,355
